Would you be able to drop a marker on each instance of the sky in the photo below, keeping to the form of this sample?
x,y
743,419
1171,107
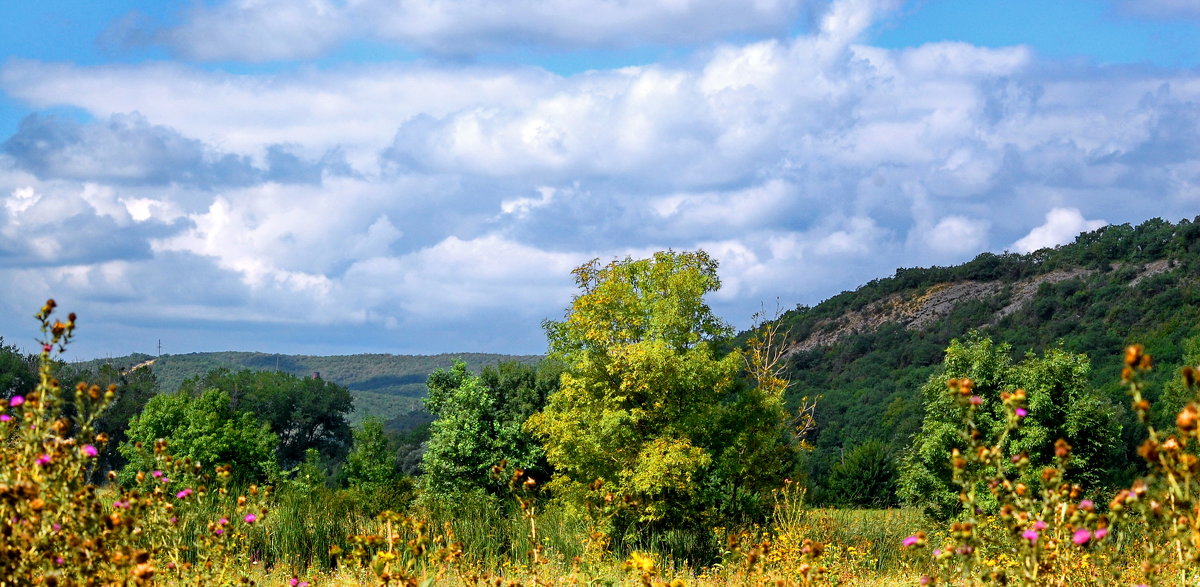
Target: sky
x,y
420,176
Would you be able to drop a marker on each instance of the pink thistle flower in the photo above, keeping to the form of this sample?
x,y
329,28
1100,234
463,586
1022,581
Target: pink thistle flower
x,y
1022,412
56,526
89,451
47,348
1039,525
157,474
294,582
251,518
1030,535
58,560
911,541
183,494
223,521
5,417
124,505
1081,536
976,400
44,460
173,520
1100,533
1087,505
219,531
16,401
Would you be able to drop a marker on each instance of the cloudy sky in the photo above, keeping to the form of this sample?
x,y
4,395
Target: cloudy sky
x,y
420,176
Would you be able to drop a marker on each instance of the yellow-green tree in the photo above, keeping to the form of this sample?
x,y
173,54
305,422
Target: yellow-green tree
x,y
652,423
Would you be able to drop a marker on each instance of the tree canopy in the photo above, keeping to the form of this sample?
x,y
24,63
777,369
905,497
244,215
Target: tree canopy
x,y
649,413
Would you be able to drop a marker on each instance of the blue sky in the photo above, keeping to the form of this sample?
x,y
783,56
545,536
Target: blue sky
x,y
337,176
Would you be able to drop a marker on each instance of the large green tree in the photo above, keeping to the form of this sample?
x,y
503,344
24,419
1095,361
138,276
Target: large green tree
x,y
203,428
1061,404
18,371
304,413
650,413
479,425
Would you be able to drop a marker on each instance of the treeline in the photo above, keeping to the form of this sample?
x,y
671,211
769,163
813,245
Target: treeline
x,y
1133,284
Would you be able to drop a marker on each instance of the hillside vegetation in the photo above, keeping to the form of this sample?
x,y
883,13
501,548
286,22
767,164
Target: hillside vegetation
x,y
868,352
390,387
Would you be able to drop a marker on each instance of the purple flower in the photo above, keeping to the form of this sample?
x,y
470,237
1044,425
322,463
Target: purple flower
x,y
294,582
43,460
124,505
1022,412
219,531
1081,536
58,560
1100,533
911,541
976,400
56,526
157,474
16,401
251,518
1030,535
223,521
1087,505
89,451
183,494
5,417
173,520
1039,525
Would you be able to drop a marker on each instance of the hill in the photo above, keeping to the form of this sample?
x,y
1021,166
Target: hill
x,y
388,386
867,352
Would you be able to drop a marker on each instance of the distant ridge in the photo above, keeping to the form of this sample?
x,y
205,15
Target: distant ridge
x,y
384,385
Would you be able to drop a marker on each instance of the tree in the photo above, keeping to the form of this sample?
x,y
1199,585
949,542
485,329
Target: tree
x,y
1061,404
649,413
303,412
865,477
479,425
372,470
204,429
18,372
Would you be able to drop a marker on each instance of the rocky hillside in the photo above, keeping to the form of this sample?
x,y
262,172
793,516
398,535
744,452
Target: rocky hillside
x,y
866,352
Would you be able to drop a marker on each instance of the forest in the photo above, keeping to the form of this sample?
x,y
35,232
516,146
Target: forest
x,y
1017,419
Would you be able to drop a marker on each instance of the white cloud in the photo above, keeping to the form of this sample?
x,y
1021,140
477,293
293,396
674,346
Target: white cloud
x,y
806,165
1061,227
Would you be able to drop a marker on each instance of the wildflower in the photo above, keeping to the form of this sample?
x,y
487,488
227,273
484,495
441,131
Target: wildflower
x,y
219,531
157,474
89,451
1087,505
1030,535
43,460
1081,536
223,521
1039,525
976,400
47,347
1100,533
173,520
251,518
5,417
1022,412
16,401
183,494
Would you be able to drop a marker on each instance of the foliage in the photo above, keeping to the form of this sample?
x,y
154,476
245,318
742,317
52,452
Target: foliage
x,y
479,426
1060,404
866,477
18,374
57,528
204,429
303,413
372,471
649,418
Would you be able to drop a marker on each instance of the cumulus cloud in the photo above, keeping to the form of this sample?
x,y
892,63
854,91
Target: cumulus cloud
x,y
1061,227
409,199
262,30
